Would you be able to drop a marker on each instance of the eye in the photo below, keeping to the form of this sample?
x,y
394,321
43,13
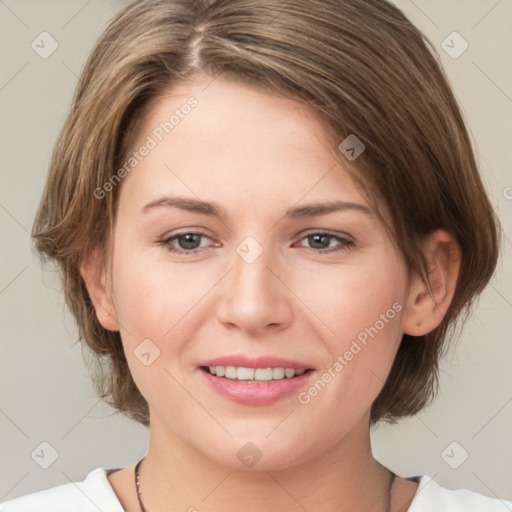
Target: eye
x,y
188,241
321,242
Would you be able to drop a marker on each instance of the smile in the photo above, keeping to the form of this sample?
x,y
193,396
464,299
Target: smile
x,y
242,373
256,386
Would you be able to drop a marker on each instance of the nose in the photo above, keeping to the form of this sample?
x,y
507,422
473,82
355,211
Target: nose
x,y
254,296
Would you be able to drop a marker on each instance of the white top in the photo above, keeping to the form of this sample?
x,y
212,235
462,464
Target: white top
x,y
95,493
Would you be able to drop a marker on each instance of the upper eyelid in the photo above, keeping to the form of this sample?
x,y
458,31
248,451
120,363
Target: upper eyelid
x,y
324,232
311,231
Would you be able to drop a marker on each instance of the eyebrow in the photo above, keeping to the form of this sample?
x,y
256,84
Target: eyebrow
x,y
207,208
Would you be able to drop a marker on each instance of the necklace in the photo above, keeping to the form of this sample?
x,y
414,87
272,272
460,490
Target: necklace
x,y
143,509
137,484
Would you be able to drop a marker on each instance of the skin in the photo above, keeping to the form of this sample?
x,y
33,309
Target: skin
x,y
256,155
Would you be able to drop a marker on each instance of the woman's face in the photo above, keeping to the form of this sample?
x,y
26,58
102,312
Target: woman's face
x,y
264,275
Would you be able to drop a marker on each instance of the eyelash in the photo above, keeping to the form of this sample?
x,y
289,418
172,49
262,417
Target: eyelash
x,y
346,244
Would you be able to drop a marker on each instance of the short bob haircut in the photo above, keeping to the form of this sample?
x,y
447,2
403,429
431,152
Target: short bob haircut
x,y
361,65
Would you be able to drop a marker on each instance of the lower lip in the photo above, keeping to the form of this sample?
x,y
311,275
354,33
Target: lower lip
x,y
256,393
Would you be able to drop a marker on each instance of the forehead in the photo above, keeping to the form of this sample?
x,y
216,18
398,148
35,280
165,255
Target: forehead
x,y
214,108
236,145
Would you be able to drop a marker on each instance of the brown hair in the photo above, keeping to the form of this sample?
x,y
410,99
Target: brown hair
x,y
360,64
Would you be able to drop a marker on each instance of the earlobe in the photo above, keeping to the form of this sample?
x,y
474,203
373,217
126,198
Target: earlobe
x,y
425,309
95,280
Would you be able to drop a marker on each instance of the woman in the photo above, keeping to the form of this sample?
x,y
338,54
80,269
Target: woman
x,y
268,216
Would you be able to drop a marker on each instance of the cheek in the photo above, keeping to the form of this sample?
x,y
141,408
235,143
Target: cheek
x,y
138,297
158,300
149,295
360,298
364,311
373,307
365,314
149,306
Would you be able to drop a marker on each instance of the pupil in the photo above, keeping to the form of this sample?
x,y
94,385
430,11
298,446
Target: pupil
x,y
188,240
319,236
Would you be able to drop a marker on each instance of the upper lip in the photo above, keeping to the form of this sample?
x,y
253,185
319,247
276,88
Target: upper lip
x,y
256,362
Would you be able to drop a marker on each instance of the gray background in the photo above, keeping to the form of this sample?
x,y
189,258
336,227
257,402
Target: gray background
x,y
45,393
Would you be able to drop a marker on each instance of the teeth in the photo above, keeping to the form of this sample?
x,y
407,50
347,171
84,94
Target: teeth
x,y
289,373
263,374
277,373
230,372
245,373
254,374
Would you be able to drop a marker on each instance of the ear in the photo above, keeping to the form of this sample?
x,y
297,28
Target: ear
x,y
95,280
425,310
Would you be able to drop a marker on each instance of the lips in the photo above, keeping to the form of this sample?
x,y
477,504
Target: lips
x,y
257,362
255,392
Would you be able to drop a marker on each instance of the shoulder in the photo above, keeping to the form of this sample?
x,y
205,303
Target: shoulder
x,y
90,495
431,496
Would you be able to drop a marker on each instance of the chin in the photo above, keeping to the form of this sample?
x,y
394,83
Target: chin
x,y
259,455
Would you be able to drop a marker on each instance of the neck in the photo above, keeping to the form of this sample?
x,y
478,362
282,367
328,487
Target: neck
x,y
347,478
